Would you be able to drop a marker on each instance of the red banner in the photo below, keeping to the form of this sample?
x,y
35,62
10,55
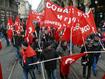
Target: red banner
x,y
81,28
56,15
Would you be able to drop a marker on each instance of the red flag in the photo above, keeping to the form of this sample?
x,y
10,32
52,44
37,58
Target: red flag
x,y
56,36
31,15
82,29
66,35
17,25
10,24
30,38
10,28
77,35
66,61
29,27
56,15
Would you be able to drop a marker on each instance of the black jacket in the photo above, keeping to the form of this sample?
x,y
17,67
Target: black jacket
x,y
89,58
50,54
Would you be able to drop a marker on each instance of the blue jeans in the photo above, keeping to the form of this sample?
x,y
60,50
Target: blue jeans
x,y
31,72
29,69
94,65
25,73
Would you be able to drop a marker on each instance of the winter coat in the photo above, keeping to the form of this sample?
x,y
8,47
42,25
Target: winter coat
x,y
89,58
50,54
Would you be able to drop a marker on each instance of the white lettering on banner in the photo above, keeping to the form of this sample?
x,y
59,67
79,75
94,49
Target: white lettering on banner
x,y
48,5
59,9
60,17
84,15
77,27
72,19
56,8
69,60
85,28
79,13
16,23
66,19
72,10
66,10
53,23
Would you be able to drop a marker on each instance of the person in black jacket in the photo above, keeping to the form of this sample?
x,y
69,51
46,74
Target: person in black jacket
x,y
87,61
50,53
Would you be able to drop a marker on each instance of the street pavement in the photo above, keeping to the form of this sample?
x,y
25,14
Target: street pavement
x,y
8,57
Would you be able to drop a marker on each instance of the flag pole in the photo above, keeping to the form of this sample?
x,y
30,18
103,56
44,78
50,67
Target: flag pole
x,y
42,70
71,40
84,44
71,36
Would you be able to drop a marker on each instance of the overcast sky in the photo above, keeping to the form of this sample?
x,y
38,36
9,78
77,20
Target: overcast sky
x,y
34,3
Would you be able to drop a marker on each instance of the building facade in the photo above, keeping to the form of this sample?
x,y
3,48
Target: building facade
x,y
41,6
23,9
8,8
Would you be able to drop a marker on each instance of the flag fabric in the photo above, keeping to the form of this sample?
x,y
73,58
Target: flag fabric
x,y
90,20
17,25
81,28
56,36
30,38
66,61
77,23
10,28
29,27
66,35
10,24
29,24
33,15
57,16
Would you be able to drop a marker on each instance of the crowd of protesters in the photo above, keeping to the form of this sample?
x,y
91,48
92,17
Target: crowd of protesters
x,y
43,46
